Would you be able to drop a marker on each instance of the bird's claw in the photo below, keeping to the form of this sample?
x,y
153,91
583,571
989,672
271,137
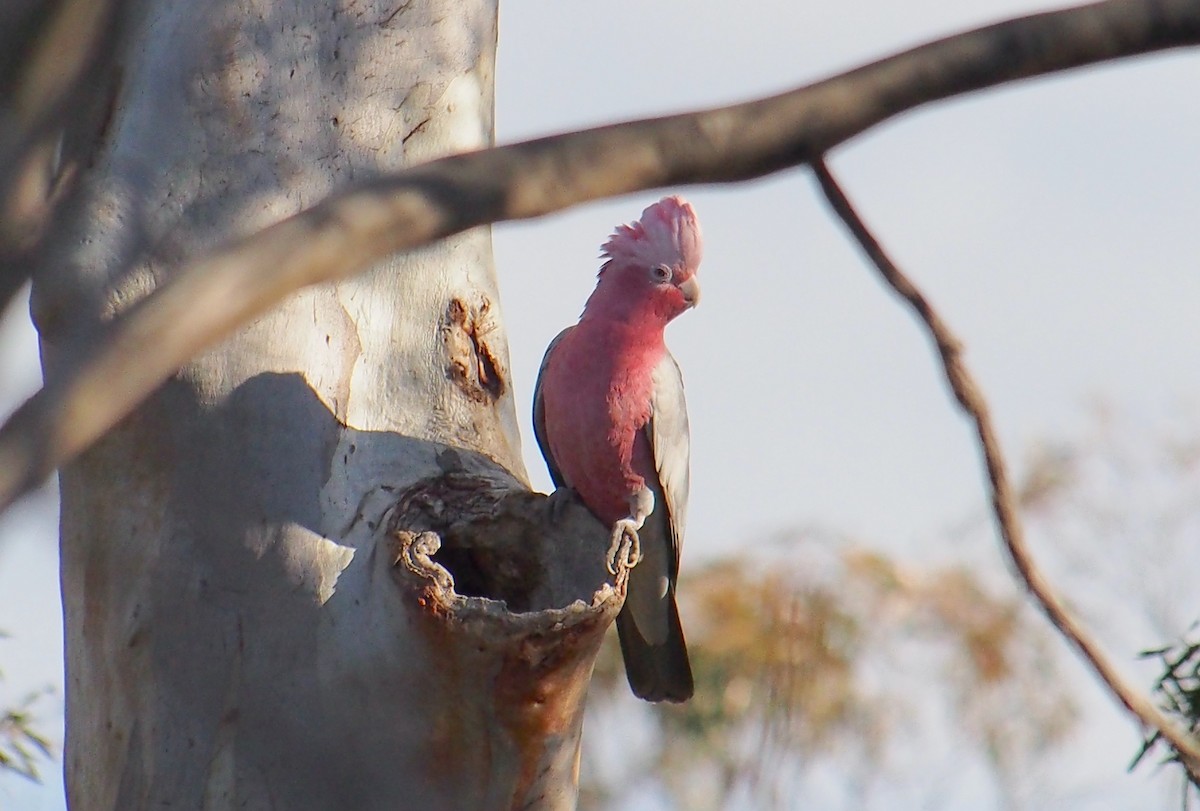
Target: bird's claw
x,y
626,549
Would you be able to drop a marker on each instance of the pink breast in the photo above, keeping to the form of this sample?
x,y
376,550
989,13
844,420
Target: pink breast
x,y
594,426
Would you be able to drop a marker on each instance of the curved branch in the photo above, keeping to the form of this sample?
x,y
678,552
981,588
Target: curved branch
x,y
1004,501
210,297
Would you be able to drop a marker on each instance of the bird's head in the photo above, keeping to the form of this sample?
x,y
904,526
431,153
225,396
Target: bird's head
x,y
652,263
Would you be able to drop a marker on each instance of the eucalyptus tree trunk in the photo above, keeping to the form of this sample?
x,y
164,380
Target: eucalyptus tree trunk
x,y
264,567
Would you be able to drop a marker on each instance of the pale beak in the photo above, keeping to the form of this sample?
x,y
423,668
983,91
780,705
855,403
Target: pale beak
x,y
691,291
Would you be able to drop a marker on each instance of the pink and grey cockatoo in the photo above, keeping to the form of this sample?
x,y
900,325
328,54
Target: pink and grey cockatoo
x,y
610,418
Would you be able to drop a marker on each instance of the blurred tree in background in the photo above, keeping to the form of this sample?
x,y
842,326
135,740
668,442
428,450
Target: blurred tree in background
x,y
832,652
823,656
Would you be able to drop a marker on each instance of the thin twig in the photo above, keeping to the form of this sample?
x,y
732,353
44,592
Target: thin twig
x,y
210,297
1004,502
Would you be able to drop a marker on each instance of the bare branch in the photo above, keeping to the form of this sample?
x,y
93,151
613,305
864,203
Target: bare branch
x,y
1004,500
210,297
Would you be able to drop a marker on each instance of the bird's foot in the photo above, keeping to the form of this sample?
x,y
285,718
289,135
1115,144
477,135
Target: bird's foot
x,y
626,549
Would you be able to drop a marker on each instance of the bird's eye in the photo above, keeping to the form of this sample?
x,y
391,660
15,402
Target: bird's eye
x,y
660,273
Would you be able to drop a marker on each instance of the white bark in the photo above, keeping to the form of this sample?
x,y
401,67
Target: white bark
x,y
237,632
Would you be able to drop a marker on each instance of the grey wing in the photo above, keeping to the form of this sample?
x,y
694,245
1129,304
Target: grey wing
x,y
670,441
656,659
539,413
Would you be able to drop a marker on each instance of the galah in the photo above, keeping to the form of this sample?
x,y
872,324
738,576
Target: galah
x,y
610,418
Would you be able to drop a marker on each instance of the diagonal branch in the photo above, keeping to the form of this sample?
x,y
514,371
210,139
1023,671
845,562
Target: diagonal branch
x,y
1003,499
212,296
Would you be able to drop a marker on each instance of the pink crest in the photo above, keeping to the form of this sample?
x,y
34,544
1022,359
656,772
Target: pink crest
x,y
668,232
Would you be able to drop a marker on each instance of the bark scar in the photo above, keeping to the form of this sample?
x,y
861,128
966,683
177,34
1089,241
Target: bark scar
x,y
471,364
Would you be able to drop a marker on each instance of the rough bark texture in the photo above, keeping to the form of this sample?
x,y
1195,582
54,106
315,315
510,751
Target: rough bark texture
x,y
239,633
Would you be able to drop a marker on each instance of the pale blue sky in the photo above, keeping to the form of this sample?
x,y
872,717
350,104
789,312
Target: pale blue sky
x,y
1053,222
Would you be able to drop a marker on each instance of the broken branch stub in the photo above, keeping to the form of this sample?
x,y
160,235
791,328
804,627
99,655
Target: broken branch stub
x,y
511,599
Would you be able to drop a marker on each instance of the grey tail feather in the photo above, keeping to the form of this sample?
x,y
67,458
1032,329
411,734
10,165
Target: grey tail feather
x,y
656,672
